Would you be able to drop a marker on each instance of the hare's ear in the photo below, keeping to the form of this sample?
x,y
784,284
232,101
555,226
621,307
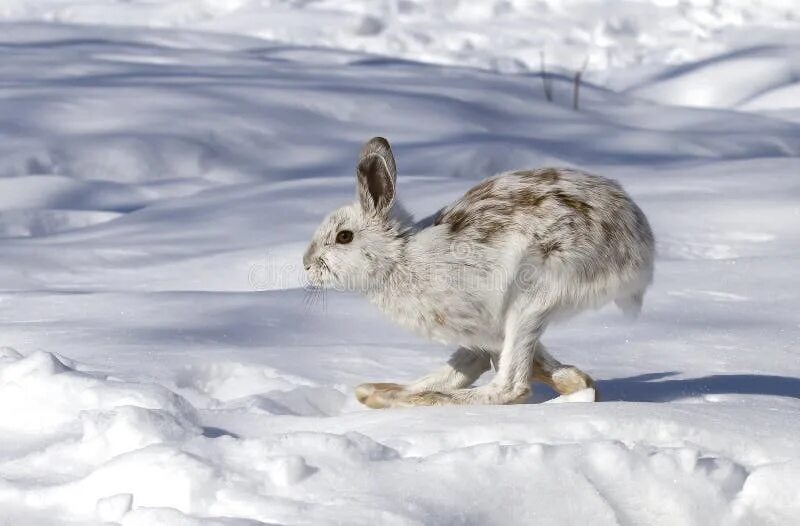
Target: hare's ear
x,y
376,177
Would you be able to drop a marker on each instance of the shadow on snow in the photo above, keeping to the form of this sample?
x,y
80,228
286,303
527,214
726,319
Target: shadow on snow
x,y
654,387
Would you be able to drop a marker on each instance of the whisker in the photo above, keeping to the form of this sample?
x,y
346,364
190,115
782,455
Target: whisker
x,y
316,293
311,296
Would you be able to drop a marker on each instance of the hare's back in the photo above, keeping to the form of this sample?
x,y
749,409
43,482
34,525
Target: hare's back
x,y
568,217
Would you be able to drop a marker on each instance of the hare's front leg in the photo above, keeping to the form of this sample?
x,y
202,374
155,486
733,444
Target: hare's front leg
x,y
510,384
462,369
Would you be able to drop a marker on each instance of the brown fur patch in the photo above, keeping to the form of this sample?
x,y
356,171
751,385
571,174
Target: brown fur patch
x,y
571,202
527,198
439,318
550,175
482,190
487,225
458,219
608,229
490,207
550,247
545,175
494,226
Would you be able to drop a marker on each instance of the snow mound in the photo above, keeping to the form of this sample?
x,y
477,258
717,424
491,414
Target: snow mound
x,y
258,389
36,223
755,78
130,464
41,394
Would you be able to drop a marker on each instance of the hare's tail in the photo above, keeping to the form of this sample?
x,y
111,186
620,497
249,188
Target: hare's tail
x,y
631,305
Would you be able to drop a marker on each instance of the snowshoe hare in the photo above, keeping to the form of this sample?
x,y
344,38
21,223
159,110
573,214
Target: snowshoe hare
x,y
517,251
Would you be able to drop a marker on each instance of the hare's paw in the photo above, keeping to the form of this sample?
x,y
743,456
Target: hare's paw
x,y
379,395
382,395
477,396
427,398
568,379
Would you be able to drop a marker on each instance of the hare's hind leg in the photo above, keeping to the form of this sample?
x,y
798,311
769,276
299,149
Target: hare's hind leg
x,y
463,368
563,379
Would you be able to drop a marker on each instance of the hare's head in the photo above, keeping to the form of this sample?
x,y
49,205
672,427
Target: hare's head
x,y
358,245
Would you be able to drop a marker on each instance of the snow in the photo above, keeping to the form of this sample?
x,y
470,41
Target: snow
x,y
161,364
505,35
754,77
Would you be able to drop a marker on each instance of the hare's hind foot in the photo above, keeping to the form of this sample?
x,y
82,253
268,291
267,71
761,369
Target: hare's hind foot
x,y
566,380
484,395
383,395
379,395
463,368
563,379
569,379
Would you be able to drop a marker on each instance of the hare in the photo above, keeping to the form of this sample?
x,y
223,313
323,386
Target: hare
x,y
516,252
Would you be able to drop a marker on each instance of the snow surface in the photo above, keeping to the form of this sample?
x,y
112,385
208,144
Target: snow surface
x,y
162,365
506,35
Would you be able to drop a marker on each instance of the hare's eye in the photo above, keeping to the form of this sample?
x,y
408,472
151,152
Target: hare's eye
x,y
344,236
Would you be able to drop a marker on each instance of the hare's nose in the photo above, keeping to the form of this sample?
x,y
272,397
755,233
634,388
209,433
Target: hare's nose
x,y
307,260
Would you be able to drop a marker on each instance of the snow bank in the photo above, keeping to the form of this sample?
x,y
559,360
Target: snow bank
x,y
137,458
